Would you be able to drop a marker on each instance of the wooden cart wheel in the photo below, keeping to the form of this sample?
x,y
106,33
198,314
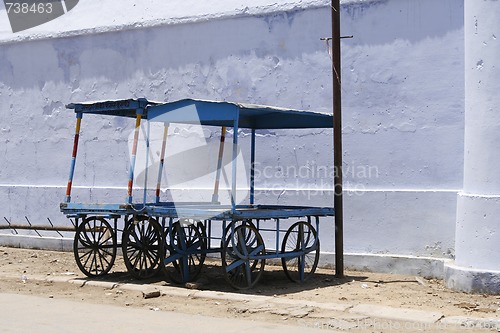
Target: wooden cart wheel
x,y
142,246
94,246
185,251
240,257
302,245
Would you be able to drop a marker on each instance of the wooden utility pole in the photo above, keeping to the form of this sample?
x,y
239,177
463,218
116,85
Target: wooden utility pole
x,y
337,141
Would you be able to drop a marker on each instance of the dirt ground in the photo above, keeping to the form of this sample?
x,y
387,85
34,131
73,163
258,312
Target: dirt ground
x,y
19,265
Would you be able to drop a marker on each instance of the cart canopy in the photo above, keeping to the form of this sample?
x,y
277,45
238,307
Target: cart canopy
x,y
211,113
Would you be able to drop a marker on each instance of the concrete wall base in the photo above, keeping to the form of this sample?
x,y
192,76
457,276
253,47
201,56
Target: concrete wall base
x,y
471,280
36,242
391,264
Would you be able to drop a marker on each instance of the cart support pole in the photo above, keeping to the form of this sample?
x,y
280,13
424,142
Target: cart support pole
x,y
215,196
133,157
337,140
73,156
162,162
146,170
234,164
252,168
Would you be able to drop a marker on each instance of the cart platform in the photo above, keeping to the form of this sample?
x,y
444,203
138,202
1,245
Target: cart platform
x,y
196,210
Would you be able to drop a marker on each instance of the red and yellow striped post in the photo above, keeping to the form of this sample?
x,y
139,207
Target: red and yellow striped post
x,y
133,157
215,196
73,156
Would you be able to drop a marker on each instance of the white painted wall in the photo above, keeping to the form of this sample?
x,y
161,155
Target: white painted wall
x,y
403,101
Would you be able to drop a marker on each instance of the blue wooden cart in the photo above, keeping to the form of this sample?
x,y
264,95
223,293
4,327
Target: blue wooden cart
x,y
176,237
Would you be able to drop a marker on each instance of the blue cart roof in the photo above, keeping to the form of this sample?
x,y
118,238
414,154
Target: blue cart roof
x,y
212,113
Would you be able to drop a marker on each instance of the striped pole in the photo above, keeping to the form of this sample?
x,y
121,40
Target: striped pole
x,y
73,156
132,159
146,169
162,162
215,196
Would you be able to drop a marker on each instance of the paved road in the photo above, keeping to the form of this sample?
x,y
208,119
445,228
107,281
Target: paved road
x,y
21,313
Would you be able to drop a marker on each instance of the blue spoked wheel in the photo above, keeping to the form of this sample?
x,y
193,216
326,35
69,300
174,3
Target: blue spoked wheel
x,y
241,255
301,247
185,251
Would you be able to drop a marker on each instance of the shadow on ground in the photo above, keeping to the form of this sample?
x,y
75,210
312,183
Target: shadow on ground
x,y
273,281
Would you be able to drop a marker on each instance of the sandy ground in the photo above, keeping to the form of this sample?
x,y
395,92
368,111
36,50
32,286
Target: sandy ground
x,y
19,265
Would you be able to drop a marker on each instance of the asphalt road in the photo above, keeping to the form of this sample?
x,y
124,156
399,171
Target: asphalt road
x,y
22,313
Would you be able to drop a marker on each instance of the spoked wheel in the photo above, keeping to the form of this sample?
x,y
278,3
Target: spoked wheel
x,y
185,251
229,228
227,232
94,246
141,246
301,245
240,257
